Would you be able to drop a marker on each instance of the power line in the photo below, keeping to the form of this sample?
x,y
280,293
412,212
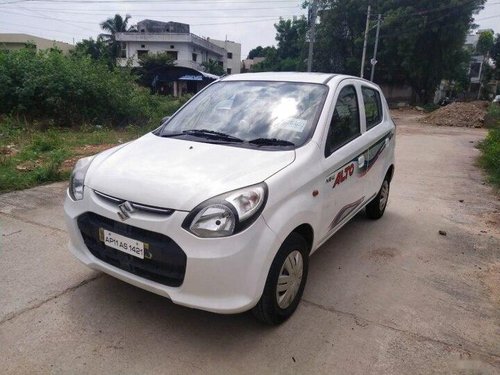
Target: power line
x,y
36,28
213,9
155,12
72,23
261,19
160,2
487,18
50,18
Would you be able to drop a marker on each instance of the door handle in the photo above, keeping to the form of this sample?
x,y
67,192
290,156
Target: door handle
x,y
361,161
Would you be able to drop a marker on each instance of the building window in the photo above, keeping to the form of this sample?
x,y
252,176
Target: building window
x,y
229,70
143,46
172,54
172,46
143,31
229,55
195,57
474,70
142,53
221,63
123,50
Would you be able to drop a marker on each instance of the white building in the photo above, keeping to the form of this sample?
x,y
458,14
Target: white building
x,y
187,49
232,63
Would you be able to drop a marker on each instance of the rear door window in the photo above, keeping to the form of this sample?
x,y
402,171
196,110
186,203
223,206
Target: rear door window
x,y
345,121
373,107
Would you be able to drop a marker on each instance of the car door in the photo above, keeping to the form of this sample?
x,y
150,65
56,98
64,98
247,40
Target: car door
x,y
379,132
344,145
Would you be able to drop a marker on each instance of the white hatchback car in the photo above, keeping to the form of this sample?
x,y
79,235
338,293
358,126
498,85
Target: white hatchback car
x,y
220,208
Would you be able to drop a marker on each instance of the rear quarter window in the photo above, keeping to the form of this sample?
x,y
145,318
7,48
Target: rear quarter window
x,y
373,107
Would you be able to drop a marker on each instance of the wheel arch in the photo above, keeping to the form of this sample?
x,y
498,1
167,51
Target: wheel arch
x,y
306,231
390,172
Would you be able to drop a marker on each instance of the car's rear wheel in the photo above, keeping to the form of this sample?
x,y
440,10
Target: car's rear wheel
x,y
376,208
285,282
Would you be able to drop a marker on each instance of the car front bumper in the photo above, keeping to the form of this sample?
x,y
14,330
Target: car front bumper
x,y
222,275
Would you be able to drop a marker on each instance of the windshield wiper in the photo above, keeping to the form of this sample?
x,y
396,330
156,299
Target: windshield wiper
x,y
205,133
167,135
271,142
211,134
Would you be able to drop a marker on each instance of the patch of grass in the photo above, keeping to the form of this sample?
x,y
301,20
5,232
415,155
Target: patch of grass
x,y
490,158
30,156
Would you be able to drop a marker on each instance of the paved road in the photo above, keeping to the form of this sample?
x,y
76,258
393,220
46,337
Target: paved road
x,y
386,297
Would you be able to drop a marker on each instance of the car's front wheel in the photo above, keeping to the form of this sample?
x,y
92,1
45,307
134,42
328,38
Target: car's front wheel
x,y
285,282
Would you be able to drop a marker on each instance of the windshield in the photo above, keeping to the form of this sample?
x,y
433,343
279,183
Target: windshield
x,y
251,113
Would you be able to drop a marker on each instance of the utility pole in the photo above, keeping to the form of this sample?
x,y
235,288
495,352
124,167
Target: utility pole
x,y
366,41
312,34
374,60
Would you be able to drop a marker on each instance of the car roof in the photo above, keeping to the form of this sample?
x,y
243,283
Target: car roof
x,y
282,76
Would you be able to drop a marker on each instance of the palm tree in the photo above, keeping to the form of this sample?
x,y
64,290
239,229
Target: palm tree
x,y
116,24
213,67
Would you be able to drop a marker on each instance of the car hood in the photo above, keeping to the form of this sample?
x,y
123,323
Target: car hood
x,y
179,174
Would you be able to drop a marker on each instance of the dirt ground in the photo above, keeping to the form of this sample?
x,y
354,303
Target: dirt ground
x,y
386,297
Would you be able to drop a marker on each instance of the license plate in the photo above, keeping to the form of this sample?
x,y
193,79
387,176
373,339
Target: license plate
x,y
122,243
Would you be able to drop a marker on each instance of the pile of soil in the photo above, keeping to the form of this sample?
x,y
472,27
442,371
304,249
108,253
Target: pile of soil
x,y
460,114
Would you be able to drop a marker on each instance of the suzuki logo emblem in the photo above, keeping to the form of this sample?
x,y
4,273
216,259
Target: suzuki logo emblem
x,y
125,210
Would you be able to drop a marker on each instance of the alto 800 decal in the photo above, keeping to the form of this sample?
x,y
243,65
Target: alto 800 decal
x,y
341,175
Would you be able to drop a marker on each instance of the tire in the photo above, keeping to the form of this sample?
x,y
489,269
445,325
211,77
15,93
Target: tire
x,y
376,208
274,307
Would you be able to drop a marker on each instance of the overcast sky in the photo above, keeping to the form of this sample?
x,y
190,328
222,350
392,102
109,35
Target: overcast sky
x,y
249,22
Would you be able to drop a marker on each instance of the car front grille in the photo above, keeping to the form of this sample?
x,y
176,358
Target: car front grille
x,y
135,205
164,261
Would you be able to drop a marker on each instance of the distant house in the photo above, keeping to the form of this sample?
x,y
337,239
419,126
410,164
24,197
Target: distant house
x,y
475,72
248,63
188,51
476,66
10,42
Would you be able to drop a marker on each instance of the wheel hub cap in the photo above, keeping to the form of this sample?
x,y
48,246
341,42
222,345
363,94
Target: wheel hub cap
x,y
289,279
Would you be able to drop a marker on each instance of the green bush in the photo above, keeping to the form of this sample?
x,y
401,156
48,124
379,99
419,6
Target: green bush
x,y
490,158
492,118
55,89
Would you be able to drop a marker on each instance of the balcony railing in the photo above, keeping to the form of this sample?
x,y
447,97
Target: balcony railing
x,y
171,38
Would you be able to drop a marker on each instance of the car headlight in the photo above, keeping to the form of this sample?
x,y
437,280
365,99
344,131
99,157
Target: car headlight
x,y
77,179
227,214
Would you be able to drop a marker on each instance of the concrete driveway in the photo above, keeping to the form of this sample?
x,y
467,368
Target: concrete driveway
x,y
386,297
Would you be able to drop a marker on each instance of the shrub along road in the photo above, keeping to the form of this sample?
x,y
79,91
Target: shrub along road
x,y
386,297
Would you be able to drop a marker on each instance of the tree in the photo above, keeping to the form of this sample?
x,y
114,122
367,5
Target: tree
x,y
213,67
151,64
339,36
96,49
258,52
495,55
484,47
116,24
291,52
290,35
271,61
485,43
421,43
